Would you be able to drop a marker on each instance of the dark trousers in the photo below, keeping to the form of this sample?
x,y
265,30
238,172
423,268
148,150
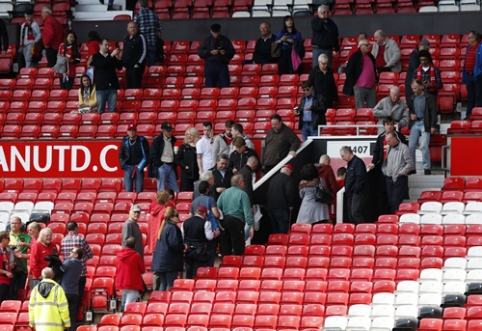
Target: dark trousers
x,y
134,77
382,69
17,283
266,169
51,55
478,91
232,240
192,266
212,244
4,292
471,94
73,300
66,84
216,74
280,220
355,206
396,191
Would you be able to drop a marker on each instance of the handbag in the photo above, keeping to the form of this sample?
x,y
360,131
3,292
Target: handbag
x,y
275,50
61,67
295,59
323,195
197,251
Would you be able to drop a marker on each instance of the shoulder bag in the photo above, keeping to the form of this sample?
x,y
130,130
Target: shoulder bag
x,y
323,194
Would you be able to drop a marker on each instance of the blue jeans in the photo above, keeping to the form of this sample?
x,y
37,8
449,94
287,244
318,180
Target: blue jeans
x,y
109,96
306,131
418,131
318,51
129,296
280,220
129,181
151,55
167,280
167,174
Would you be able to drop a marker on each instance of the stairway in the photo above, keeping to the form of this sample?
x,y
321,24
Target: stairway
x,y
419,182
93,10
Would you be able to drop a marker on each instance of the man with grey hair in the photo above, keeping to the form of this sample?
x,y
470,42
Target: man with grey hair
x,y
325,36
42,248
391,106
222,175
355,185
386,53
208,177
52,36
132,229
151,27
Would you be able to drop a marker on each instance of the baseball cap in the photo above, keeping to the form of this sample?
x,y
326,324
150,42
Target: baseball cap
x,y
288,166
424,43
166,126
131,127
135,208
202,209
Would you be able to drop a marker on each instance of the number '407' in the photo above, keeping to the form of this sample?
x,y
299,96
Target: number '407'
x,y
359,149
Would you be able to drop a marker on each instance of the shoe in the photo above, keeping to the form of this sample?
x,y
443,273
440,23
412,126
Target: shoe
x,y
427,172
109,8
101,2
412,172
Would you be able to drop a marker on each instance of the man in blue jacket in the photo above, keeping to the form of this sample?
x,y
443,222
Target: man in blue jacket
x,y
133,156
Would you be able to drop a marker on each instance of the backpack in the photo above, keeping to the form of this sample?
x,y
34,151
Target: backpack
x,y
61,67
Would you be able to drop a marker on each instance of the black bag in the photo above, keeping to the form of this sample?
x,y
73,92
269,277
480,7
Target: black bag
x,y
197,251
39,218
323,195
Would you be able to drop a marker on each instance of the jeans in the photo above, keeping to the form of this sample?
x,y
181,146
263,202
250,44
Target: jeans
x,y
318,51
109,96
73,300
363,95
129,296
396,191
418,131
27,54
307,131
167,174
35,282
232,239
129,181
471,94
280,220
151,55
216,74
167,280
51,55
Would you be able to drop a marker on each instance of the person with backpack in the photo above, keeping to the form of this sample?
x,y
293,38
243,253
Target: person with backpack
x,y
70,50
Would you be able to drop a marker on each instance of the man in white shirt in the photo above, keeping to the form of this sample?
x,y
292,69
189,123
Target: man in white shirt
x,y
204,148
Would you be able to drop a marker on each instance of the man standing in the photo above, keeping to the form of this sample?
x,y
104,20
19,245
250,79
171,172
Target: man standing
x,y
131,229
216,51
474,94
134,55
204,148
42,248
151,28
196,232
325,36
162,163
133,158
72,241
237,131
130,267
52,35
386,53
33,230
72,268
235,205
396,167
361,76
105,76
48,308
393,107
239,158
355,187
7,262
311,111
206,176
423,123
223,141
248,171
21,242
221,175
281,199
428,74
323,82
413,64
279,142
262,49
30,36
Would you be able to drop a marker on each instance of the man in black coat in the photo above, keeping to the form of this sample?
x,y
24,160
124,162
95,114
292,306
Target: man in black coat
x,y
311,111
216,51
238,158
222,175
133,158
105,76
355,185
325,36
134,55
163,167
247,172
262,49
281,199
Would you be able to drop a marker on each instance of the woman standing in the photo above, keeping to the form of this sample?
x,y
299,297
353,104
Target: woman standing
x,y
288,38
186,160
167,259
157,210
30,35
87,95
70,49
311,211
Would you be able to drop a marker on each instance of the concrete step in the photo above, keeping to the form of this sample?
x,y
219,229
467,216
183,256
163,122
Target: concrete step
x,y
100,15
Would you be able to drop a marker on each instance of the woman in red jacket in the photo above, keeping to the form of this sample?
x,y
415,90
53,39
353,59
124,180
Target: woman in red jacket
x,y
70,49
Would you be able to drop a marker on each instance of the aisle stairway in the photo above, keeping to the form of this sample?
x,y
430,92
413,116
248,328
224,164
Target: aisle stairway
x,y
92,10
419,182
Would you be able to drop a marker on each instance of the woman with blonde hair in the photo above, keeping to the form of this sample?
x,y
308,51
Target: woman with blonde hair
x,y
186,159
167,259
157,210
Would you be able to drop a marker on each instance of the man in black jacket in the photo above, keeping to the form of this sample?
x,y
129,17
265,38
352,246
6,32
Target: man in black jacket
x,y
311,111
133,157
281,199
216,51
105,77
262,49
238,158
222,175
325,36
134,55
355,185
247,171
413,64
162,163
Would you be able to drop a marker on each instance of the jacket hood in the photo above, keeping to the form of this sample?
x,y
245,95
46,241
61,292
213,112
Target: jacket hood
x,y
126,253
45,287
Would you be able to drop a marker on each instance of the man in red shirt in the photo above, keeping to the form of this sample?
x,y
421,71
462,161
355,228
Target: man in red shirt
x,y
42,248
5,266
468,73
52,35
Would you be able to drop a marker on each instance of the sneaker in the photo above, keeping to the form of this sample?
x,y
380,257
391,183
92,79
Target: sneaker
x,y
427,172
412,172
101,2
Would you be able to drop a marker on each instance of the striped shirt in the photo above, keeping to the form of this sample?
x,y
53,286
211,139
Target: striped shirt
x,y
72,241
149,25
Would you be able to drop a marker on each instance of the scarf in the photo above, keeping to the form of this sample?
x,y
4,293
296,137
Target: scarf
x,y
431,73
27,29
86,94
